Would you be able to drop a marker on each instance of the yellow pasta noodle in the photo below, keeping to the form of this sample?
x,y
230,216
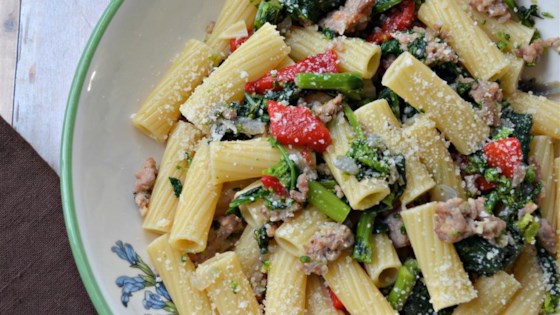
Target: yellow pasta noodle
x,y
519,35
261,53
292,235
509,81
355,289
174,164
528,300
160,111
247,250
446,280
237,160
226,285
196,207
385,262
493,294
318,299
423,89
176,271
377,118
232,12
477,51
361,194
546,120
285,291
434,154
542,152
354,54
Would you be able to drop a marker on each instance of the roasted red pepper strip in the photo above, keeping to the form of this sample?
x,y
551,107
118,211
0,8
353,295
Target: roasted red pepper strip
x,y
505,154
234,43
336,302
275,184
483,185
398,18
321,63
297,125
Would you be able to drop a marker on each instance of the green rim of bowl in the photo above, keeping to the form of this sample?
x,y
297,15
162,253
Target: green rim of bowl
x,y
66,185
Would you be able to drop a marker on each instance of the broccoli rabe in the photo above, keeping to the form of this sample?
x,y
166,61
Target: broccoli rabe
x,y
309,12
384,5
402,110
391,47
262,239
483,258
521,125
419,302
269,11
525,15
363,248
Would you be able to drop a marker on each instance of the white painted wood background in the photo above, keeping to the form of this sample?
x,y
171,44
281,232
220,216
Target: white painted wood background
x,y
41,42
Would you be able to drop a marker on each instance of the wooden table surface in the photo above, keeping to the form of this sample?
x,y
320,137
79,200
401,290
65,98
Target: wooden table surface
x,y
41,42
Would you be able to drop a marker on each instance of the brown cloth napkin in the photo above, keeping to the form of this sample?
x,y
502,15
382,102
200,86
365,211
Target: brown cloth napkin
x,y
37,270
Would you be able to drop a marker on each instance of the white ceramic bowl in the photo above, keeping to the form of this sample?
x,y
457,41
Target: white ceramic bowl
x,y
130,48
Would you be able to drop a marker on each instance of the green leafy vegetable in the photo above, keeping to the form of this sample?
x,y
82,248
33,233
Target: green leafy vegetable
x,y
391,47
177,186
363,248
328,33
310,11
262,239
525,15
268,11
419,302
399,107
249,196
285,170
521,125
384,5
483,258
418,47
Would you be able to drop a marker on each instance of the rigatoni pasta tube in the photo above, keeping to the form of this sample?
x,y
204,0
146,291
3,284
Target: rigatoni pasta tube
x,y
529,299
318,299
422,88
247,250
260,53
354,54
226,285
285,290
176,271
378,119
557,205
197,204
385,262
233,11
509,81
174,164
446,279
244,159
355,289
160,111
478,53
519,35
433,153
493,294
546,120
293,234
542,152
360,194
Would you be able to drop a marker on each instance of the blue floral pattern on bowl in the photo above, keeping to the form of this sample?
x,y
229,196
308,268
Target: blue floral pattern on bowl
x,y
158,300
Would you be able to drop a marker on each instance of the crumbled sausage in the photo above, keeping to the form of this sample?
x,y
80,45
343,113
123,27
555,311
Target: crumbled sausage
x,y
353,16
328,110
492,8
302,185
145,180
489,95
437,49
222,237
397,231
457,219
326,245
547,236
532,52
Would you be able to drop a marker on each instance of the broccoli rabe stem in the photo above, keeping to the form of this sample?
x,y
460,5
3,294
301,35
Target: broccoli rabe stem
x,y
363,248
406,279
327,202
347,82
286,159
349,113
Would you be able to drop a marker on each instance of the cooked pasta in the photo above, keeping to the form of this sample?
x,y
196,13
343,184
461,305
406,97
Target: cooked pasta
x,y
355,157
